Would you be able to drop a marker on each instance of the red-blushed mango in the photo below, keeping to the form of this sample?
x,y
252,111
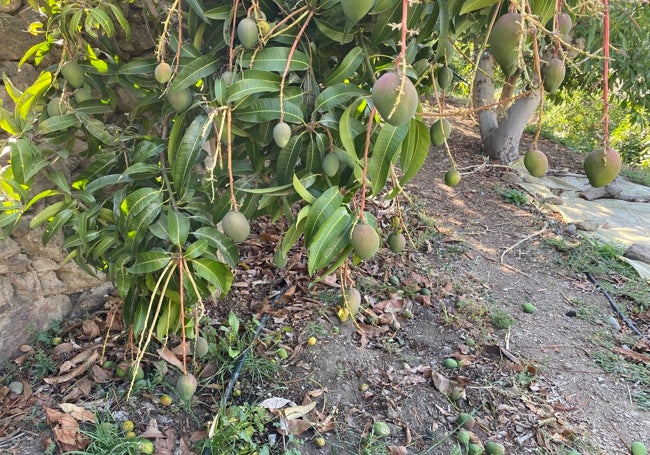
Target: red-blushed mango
x,y
395,98
601,167
355,10
247,32
536,162
162,72
365,240
553,73
236,226
504,41
564,25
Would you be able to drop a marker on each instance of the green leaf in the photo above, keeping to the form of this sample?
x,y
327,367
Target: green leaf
x,y
415,150
99,20
196,249
384,154
187,154
42,195
214,272
138,66
345,130
58,123
191,73
47,213
57,223
178,226
286,164
443,33
302,191
334,33
97,129
119,17
220,242
275,59
267,109
21,155
474,5
347,67
337,95
331,238
243,88
321,210
149,261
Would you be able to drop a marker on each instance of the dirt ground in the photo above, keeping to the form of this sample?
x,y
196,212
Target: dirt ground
x,y
534,387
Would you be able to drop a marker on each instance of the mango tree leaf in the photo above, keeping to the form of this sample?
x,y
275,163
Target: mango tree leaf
x,y
267,109
321,210
139,66
243,88
191,73
474,5
286,164
187,154
331,238
347,67
443,33
334,33
337,95
58,123
178,226
21,154
220,242
196,249
214,272
149,261
57,223
275,59
32,94
415,150
302,191
384,154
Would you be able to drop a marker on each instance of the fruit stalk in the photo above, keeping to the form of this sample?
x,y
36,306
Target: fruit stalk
x,y
366,149
606,77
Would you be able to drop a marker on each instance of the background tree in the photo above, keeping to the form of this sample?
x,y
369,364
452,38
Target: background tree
x,y
298,111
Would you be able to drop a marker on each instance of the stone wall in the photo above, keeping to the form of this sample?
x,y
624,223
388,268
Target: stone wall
x,y
35,286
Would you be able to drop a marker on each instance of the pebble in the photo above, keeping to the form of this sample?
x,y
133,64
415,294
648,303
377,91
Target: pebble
x,y
614,323
16,387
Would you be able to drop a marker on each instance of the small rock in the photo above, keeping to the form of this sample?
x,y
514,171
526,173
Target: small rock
x,y
553,200
614,323
638,252
16,387
10,6
587,225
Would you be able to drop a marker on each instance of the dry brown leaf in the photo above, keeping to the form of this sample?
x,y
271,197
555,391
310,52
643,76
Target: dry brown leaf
x,y
80,389
90,329
101,375
184,449
74,373
65,348
152,431
294,427
296,412
441,383
77,412
397,450
168,356
166,445
65,429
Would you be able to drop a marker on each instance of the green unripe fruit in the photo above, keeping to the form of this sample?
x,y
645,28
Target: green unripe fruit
x,y
121,370
381,429
365,241
602,167
564,25
319,442
528,308
146,447
504,41
445,76
465,421
494,448
201,347
162,73
247,32
73,73
450,363
452,177
396,242
536,162
236,226
440,130
136,372
263,27
281,134
180,100
331,164
463,437
282,353
83,94
638,448
474,449
354,10
395,107
186,386
553,73
56,107
353,300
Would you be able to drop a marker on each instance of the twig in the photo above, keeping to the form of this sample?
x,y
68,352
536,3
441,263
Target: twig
x,y
616,309
531,236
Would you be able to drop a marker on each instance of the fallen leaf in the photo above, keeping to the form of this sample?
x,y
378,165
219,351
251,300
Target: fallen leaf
x,y
275,403
77,412
90,329
152,431
296,412
74,373
166,445
65,429
168,356
397,450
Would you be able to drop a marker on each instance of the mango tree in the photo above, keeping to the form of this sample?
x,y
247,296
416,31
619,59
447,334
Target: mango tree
x,y
295,110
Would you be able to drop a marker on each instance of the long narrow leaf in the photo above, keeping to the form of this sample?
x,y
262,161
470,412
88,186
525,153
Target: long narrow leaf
x,y
149,261
347,67
415,150
191,73
188,152
330,240
321,210
384,154
220,242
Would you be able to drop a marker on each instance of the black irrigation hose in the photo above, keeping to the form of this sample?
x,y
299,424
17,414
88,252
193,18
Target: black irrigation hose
x,y
244,355
616,309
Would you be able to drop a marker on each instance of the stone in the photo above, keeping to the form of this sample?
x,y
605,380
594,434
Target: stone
x,y
15,38
10,6
638,252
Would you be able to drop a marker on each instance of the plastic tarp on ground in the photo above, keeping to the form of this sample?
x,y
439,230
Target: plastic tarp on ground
x,y
615,221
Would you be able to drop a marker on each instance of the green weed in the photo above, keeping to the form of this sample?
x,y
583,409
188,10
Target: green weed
x,y
516,197
501,319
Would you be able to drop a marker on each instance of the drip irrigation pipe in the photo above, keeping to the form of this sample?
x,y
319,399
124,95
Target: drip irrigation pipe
x,y
244,355
616,309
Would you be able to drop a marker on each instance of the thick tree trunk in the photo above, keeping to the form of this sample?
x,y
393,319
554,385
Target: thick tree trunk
x,y
500,136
